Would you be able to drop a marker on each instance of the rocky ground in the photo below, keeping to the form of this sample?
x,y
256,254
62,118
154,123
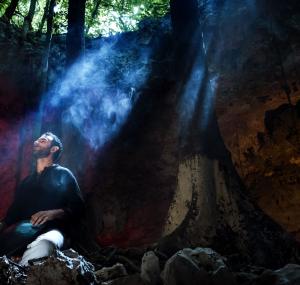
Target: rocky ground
x,y
143,267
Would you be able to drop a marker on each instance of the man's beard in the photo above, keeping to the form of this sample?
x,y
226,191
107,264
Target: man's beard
x,y
41,153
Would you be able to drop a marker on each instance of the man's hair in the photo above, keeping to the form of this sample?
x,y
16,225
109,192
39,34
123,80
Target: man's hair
x,y
55,142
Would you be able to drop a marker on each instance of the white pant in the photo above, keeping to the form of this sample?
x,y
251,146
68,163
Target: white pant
x,y
44,245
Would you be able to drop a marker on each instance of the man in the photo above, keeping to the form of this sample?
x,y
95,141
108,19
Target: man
x,y
46,206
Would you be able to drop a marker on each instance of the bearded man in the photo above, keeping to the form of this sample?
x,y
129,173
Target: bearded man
x,y
46,206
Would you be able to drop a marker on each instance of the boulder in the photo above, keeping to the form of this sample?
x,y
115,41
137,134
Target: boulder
x,y
67,267
109,273
180,269
150,271
288,275
197,266
11,273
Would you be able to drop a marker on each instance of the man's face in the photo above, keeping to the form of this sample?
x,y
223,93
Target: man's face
x,y
42,146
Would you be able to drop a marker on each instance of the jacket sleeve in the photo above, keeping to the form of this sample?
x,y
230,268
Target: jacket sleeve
x,y
74,204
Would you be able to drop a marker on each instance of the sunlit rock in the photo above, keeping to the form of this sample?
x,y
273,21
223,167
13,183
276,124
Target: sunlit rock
x,y
64,268
10,272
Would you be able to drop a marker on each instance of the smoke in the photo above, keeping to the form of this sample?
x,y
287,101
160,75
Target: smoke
x,y
199,86
223,24
99,91
208,102
190,94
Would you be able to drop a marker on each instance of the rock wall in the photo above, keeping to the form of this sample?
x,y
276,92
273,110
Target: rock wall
x,y
257,65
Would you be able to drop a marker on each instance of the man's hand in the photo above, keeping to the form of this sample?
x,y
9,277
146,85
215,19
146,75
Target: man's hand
x,y
42,217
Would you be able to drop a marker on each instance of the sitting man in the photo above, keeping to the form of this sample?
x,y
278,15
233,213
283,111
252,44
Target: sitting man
x,y
46,206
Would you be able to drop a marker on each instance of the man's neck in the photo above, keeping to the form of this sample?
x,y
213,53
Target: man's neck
x,y
42,163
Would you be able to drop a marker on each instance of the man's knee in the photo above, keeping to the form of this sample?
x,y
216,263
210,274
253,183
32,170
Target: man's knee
x,y
38,249
54,236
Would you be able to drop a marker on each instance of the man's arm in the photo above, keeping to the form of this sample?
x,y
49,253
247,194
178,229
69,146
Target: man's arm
x,y
45,216
75,207
74,204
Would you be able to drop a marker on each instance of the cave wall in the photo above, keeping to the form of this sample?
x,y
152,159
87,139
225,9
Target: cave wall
x,y
129,182
257,63
18,67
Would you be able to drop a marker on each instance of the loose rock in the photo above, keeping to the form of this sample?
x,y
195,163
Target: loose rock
x,y
150,271
109,273
66,267
201,265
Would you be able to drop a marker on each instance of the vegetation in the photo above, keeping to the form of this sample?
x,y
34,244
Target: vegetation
x,y
102,17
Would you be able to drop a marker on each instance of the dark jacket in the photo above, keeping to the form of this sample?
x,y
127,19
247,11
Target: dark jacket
x,y
54,188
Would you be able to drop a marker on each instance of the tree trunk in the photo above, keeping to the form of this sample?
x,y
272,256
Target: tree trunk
x,y
210,207
28,18
10,10
44,67
45,16
94,15
50,18
75,37
75,46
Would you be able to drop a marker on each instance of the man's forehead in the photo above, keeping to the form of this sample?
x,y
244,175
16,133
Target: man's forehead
x,y
47,137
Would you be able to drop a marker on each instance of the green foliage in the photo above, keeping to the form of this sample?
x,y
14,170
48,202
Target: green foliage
x,y
3,4
112,16
122,15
